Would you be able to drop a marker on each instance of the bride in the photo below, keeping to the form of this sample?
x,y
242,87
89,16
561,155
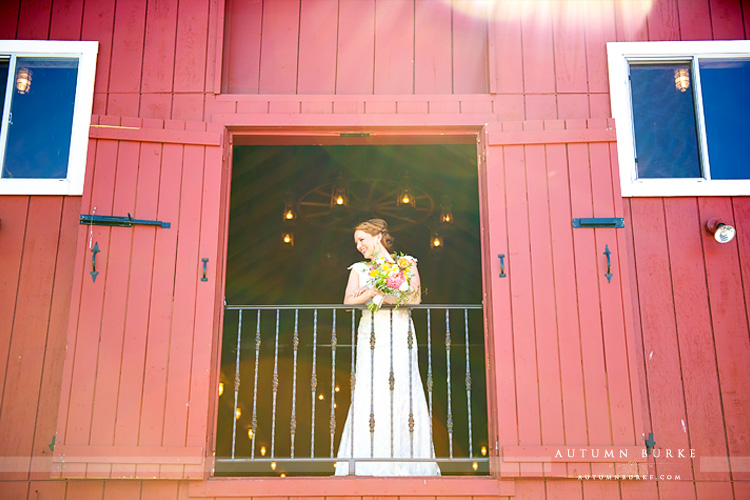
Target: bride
x,y
388,416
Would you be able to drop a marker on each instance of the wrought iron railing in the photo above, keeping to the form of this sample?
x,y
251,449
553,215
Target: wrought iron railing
x,y
269,419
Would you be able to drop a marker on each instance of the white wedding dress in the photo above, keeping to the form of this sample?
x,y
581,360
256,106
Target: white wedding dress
x,y
387,423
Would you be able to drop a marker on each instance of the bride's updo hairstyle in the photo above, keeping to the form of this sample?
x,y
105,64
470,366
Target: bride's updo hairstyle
x,y
375,227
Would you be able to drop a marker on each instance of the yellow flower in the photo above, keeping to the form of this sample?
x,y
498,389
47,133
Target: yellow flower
x,y
373,273
402,263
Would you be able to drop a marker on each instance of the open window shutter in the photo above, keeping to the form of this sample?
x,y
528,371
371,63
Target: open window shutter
x,y
136,381
563,343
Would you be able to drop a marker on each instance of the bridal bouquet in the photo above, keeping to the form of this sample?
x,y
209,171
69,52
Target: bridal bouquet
x,y
391,278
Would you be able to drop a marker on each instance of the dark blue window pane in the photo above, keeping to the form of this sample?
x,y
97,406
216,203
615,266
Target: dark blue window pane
x,y
41,120
725,107
666,142
3,80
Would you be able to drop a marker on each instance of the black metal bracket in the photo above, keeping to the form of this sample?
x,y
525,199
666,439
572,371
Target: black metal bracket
x,y
94,273
112,220
502,265
600,222
608,274
650,443
205,269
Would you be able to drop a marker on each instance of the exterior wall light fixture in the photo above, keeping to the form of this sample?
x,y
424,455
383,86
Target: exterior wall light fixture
x,y
722,232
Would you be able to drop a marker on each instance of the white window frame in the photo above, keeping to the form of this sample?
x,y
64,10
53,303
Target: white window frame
x,y
86,53
619,56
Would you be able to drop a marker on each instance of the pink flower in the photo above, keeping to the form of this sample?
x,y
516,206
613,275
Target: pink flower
x,y
396,281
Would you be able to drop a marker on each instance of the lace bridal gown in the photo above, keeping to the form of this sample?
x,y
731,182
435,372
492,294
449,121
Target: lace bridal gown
x,y
390,437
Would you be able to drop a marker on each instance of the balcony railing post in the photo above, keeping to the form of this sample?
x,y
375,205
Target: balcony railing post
x,y
236,383
295,347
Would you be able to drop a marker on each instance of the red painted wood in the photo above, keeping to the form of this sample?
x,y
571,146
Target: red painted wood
x,y
606,202
98,24
129,400
54,352
9,19
66,19
33,20
394,47
505,35
160,313
470,70
183,326
631,22
159,48
317,47
158,490
573,106
500,347
356,47
278,57
726,20
540,106
433,71
241,55
568,38
188,106
693,320
191,50
667,407
543,292
663,21
538,57
127,49
206,316
695,19
23,371
599,29
730,326
520,276
571,376
114,312
586,260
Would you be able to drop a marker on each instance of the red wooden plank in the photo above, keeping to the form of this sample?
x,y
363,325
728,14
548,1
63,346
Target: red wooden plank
x,y
697,354
98,24
138,298
611,293
741,208
538,54
33,20
123,104
730,326
571,375
695,19
356,47
51,383
241,58
520,276
278,56
23,371
469,54
183,320
206,316
9,20
543,291
573,106
84,489
630,20
433,71
83,353
13,214
505,38
317,47
599,29
663,21
67,17
500,346
155,106
667,406
714,490
127,49
569,42
541,106
188,106
394,47
158,490
113,314
159,47
121,490
191,51
726,20
586,257
160,313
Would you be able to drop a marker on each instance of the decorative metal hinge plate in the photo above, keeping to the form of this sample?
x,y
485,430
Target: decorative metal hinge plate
x,y
112,220
600,222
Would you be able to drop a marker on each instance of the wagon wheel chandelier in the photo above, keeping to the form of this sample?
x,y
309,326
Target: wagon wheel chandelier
x,y
344,200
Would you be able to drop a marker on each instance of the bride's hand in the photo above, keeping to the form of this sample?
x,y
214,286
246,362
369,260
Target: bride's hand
x,y
363,291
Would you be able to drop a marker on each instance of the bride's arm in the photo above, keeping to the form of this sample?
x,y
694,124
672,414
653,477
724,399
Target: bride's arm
x,y
355,294
416,285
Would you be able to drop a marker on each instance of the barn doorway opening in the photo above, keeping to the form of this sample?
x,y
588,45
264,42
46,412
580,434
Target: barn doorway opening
x,y
285,277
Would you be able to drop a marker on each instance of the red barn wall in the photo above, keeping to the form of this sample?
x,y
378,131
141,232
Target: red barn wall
x,y
167,60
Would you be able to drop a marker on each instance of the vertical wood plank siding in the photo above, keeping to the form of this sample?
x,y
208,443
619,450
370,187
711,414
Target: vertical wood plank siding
x,y
557,347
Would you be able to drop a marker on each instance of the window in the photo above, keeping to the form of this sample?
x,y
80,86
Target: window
x,y
46,112
680,113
